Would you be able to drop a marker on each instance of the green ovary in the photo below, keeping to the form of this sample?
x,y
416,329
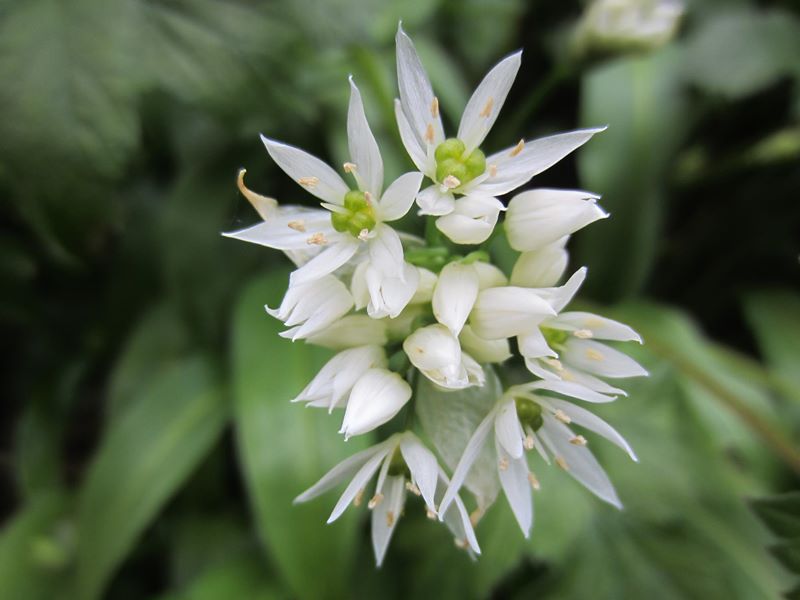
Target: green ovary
x,y
451,161
529,413
358,215
555,337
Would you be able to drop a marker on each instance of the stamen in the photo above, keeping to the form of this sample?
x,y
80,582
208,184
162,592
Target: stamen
x,y
462,544
435,107
562,416
363,235
298,225
503,464
374,501
308,181
562,463
493,170
527,443
429,133
475,516
487,109
451,182
389,518
594,354
430,514
412,487
349,167
555,363
318,239
583,334
518,148
578,440
359,497
367,197
534,482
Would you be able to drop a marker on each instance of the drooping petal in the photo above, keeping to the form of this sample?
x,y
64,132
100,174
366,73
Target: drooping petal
x,y
534,345
307,170
472,219
455,294
389,295
569,388
265,207
377,396
486,102
513,167
435,351
598,359
386,251
364,150
339,251
399,196
457,518
432,201
313,306
595,326
415,150
344,470
286,231
485,351
507,430
385,516
360,479
416,94
516,486
543,267
551,369
423,466
508,311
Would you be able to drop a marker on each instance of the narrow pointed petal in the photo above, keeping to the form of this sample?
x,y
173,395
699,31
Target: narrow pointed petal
x,y
516,167
454,295
571,389
327,261
364,150
559,297
487,100
344,470
349,331
507,430
359,481
399,196
423,466
472,220
415,150
508,311
432,201
534,345
596,326
389,295
385,516
310,172
517,488
286,231
386,251
598,359
457,518
543,267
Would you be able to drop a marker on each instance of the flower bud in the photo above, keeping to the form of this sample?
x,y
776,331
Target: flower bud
x,y
472,219
543,267
436,352
504,312
376,397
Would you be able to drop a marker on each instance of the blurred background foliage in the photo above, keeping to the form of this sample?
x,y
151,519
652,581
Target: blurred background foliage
x,y
148,449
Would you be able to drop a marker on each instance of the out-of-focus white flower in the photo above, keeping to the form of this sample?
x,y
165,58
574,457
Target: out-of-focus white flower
x,y
402,463
308,308
376,397
543,267
436,352
334,382
524,419
457,166
541,217
357,220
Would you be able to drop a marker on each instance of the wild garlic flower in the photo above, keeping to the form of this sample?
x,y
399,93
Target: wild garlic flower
x,y
312,306
457,166
403,463
524,418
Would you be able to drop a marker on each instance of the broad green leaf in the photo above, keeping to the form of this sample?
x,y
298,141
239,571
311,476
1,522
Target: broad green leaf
x,y
788,554
780,513
32,557
145,457
284,448
240,577
641,100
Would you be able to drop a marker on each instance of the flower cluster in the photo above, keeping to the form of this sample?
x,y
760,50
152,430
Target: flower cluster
x,y
406,313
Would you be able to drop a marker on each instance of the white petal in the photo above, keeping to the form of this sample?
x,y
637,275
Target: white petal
x,y
534,345
475,374
385,516
472,220
377,397
517,488
485,351
423,466
416,94
514,168
559,297
540,217
349,331
457,518
584,418
568,388
358,285
471,451
598,359
599,327
554,372
508,311
454,296
364,150
344,470
486,102
399,196
579,460
425,287
543,267
386,251
432,201
489,276
359,481
435,351
314,306
277,232
390,295
310,172
334,256
412,144
507,430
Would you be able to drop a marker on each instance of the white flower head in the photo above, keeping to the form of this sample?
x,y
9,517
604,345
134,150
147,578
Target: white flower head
x,y
457,166
403,464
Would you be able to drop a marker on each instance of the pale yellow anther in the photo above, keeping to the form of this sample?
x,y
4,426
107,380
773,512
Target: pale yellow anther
x,y
555,363
562,416
359,497
518,148
374,501
534,482
298,225
367,197
594,354
562,463
318,239
412,487
527,443
475,516
493,170
363,235
308,181
389,518
487,108
451,182
430,514
435,107
429,133
567,375
503,464
349,167
578,440
462,544
266,207
583,334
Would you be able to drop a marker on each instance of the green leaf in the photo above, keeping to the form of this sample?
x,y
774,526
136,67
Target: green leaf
x,y
788,554
147,454
240,577
31,558
780,513
641,100
285,448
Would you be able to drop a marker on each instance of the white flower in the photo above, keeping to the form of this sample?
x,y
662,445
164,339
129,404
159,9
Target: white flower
x,y
564,347
541,217
351,331
383,295
357,218
402,463
624,24
543,267
484,351
504,312
308,308
376,397
457,166
522,420
436,352
334,382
